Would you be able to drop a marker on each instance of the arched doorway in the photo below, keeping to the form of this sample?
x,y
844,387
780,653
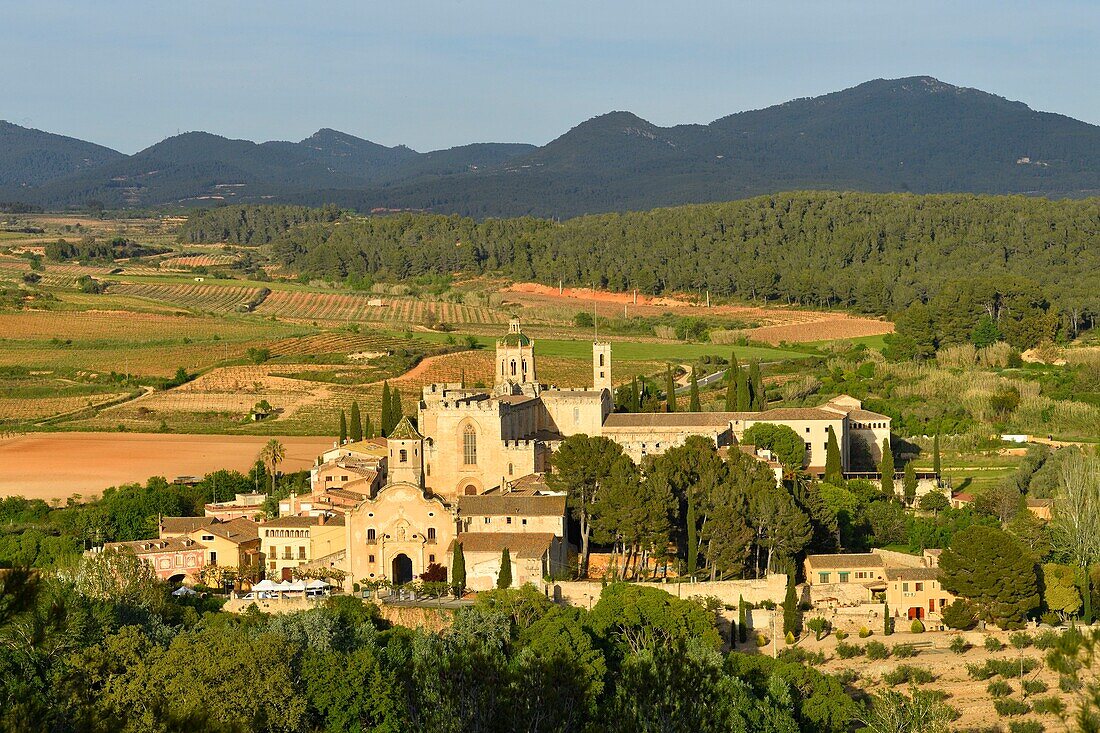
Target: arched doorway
x,y
402,568
177,578
470,490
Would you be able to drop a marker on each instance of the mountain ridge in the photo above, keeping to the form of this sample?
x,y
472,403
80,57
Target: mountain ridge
x,y
914,134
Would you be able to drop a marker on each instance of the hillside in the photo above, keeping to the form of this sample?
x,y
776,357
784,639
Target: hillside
x,y
31,157
916,135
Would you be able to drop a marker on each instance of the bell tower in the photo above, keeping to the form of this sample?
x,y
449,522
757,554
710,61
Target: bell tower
x,y
406,454
601,365
515,362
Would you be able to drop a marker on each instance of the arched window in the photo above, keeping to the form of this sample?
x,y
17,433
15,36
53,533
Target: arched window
x,y
509,469
469,445
513,367
601,359
431,534
371,535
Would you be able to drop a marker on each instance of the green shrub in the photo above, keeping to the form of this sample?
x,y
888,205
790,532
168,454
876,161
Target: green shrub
x,y
801,656
1010,668
864,632
908,674
959,645
1034,687
877,650
1052,705
848,676
980,672
1020,640
848,651
1025,726
1050,618
993,644
1045,640
904,651
761,640
789,638
819,626
999,688
840,634
916,627
1006,706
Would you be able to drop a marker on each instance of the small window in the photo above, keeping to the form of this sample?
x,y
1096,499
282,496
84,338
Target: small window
x,y
904,587
488,520
431,533
343,478
509,469
213,558
807,430
823,577
370,558
469,446
843,576
371,535
523,522
508,520
403,456
207,537
918,587
808,447
301,553
431,558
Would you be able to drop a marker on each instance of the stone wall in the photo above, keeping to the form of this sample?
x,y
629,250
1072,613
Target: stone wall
x,y
772,588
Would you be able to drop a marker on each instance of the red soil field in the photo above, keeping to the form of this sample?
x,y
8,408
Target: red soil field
x,y
58,465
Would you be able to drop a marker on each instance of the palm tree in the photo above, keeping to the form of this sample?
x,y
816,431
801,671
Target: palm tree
x,y
272,455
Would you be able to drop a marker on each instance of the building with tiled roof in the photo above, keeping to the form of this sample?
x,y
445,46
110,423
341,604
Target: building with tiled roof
x,y
174,559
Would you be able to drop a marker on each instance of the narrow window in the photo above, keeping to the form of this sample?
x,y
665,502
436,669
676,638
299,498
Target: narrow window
x,y
404,456
431,534
469,446
371,535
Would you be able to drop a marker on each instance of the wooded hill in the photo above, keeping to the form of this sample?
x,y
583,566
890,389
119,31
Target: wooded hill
x,y
915,134
873,253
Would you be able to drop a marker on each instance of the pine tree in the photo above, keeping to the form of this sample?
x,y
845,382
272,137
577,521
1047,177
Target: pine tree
x,y
504,580
744,398
886,468
731,383
356,422
343,428
670,390
909,483
792,622
834,472
742,620
695,405
385,421
936,454
458,570
756,387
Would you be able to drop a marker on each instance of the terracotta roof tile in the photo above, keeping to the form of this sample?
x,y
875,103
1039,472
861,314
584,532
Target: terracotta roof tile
x,y
519,544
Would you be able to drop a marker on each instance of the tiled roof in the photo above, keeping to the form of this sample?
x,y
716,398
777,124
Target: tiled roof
x,y
184,525
296,521
864,415
669,419
854,560
912,573
512,505
793,413
514,339
404,430
149,547
236,530
519,544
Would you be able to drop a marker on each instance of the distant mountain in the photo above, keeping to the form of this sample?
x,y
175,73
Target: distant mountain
x,y
916,134
31,157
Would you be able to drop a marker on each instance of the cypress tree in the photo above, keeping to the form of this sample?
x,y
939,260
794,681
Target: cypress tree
x,y
695,404
886,468
635,396
504,580
742,620
396,411
462,378
1086,598
385,421
792,624
909,483
744,399
343,428
670,390
368,427
936,453
887,621
731,383
834,472
759,396
356,422
692,539
458,570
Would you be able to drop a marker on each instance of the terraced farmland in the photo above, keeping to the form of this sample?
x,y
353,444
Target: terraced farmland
x,y
300,305
211,298
199,261
343,342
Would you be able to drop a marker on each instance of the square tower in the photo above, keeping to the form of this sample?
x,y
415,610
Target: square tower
x,y
601,365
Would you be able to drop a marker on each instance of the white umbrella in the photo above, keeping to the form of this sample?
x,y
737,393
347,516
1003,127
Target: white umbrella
x,y
183,590
317,584
265,586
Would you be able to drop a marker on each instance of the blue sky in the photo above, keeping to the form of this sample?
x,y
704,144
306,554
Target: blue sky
x,y
436,74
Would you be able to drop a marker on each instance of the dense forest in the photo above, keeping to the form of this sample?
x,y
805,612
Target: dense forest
x,y
873,253
251,225
90,249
